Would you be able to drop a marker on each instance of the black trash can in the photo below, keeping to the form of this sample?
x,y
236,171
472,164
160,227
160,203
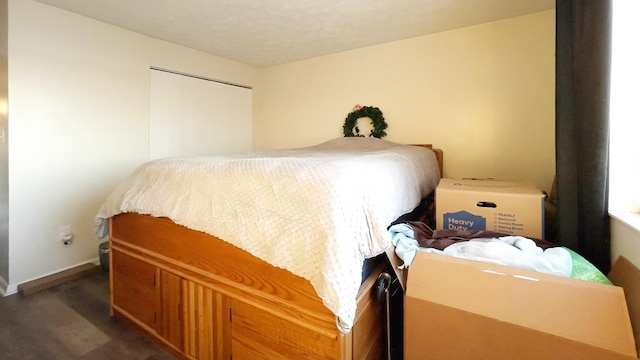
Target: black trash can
x,y
104,256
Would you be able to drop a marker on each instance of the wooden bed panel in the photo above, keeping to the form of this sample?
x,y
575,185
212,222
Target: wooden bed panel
x,y
134,287
368,334
217,260
255,331
170,314
267,300
206,313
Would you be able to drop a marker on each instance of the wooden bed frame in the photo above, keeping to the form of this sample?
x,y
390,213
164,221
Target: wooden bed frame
x,y
203,298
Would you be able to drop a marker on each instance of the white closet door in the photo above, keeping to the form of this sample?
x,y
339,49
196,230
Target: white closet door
x,y
192,116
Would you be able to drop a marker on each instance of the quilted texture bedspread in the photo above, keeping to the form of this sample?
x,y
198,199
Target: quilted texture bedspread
x,y
317,211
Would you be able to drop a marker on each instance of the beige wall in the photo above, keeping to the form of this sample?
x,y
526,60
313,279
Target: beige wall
x,y
484,94
79,110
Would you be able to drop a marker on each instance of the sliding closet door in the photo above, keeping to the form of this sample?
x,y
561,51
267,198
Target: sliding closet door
x,y
192,116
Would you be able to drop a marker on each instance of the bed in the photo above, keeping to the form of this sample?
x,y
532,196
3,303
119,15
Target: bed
x,y
261,255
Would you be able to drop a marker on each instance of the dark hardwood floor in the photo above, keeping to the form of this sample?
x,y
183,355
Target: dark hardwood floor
x,y
70,321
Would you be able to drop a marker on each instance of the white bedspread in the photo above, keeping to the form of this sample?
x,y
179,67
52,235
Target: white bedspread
x,y
317,212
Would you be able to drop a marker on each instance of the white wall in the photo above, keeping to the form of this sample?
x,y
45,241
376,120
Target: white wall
x,y
625,237
4,153
192,116
78,124
484,94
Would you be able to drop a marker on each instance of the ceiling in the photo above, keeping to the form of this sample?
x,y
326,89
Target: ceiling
x,y
269,32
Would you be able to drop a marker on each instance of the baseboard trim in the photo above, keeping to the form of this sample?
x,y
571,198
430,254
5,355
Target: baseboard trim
x,y
56,279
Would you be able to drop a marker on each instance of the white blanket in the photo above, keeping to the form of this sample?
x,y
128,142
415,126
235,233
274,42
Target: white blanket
x,y
317,212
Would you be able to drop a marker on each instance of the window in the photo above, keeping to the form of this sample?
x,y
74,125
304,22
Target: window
x,y
624,175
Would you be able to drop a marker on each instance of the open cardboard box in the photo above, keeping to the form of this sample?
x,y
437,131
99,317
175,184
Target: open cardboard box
x,y
626,275
465,309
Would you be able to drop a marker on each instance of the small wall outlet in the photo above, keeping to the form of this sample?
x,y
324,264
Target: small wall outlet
x,y
66,236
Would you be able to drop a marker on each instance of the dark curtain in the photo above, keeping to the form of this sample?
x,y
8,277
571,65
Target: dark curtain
x,y
583,61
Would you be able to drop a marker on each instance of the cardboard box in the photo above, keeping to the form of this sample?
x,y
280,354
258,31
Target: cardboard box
x,y
626,275
507,207
464,309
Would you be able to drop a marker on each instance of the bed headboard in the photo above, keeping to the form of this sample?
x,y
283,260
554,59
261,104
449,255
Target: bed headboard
x,y
439,156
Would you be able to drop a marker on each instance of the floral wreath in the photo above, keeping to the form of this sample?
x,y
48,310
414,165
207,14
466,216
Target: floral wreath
x,y
377,120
